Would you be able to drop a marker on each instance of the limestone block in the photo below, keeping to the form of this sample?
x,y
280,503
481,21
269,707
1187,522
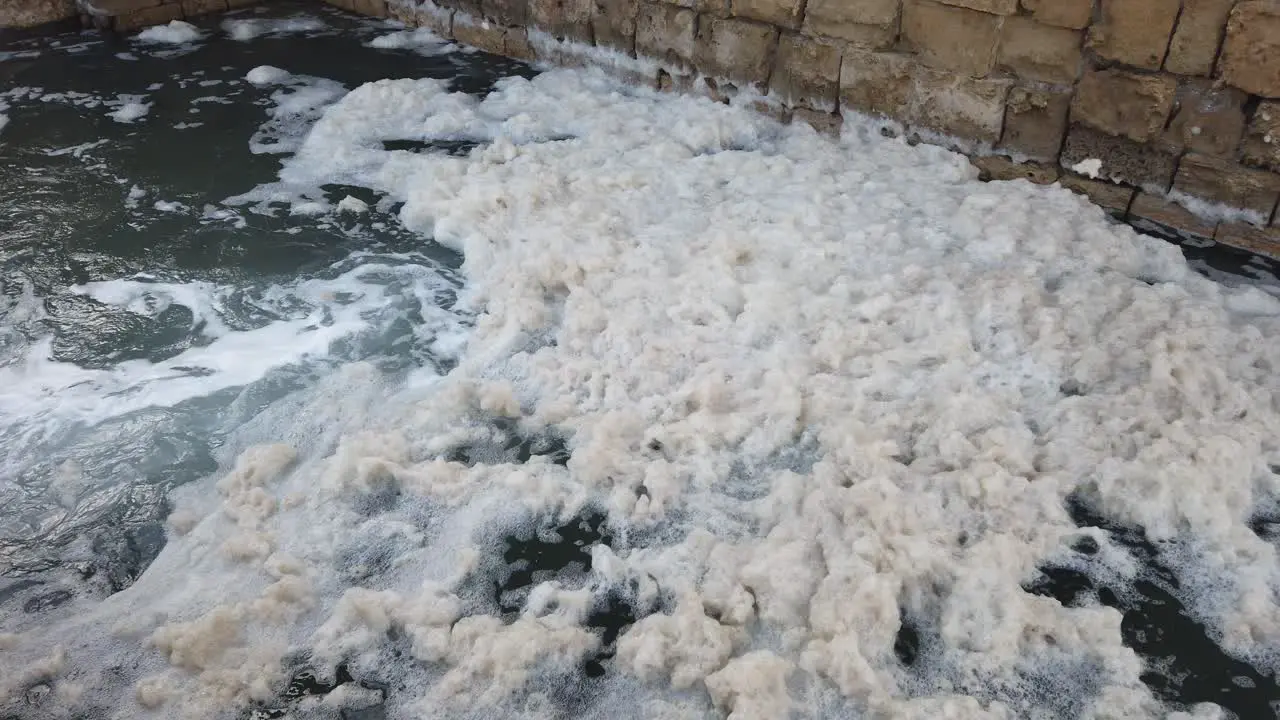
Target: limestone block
x,y
1135,32
506,12
614,24
999,167
738,50
878,84
1035,122
1251,52
371,8
1170,217
192,8
666,32
959,106
951,38
1222,181
479,34
563,19
1123,160
1036,51
806,73
1074,14
997,7
29,13
1207,119
158,15
122,7
719,8
783,13
1115,199
437,19
1198,36
1262,143
401,11
1124,103
515,44
1263,241
869,23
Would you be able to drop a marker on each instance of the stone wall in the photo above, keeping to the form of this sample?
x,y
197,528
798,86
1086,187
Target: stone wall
x,y
121,15
1179,100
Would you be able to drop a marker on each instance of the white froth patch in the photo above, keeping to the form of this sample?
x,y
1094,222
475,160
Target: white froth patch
x,y
353,205
4,120
176,32
266,75
244,30
1090,167
421,40
129,108
819,388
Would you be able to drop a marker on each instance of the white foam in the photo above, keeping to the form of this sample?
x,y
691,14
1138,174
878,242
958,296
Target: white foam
x,y
244,30
818,388
266,75
4,120
129,108
176,32
1090,167
420,40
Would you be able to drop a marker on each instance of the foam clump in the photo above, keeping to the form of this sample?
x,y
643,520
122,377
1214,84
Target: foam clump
x,y
266,75
176,32
831,400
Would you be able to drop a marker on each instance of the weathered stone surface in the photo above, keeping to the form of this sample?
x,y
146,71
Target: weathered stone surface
x,y
1135,32
1251,52
28,13
506,12
614,24
192,8
479,34
1198,36
371,8
1207,119
738,50
783,13
1262,143
158,15
439,20
1036,51
1263,241
1123,160
951,38
1035,122
719,8
878,84
564,19
121,7
1074,14
806,73
1115,199
999,167
959,106
1169,218
825,123
868,23
666,32
1124,103
1224,182
997,7
515,44
401,11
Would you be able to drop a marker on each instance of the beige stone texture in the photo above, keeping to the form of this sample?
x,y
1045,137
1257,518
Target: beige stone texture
x,y
737,50
1251,53
1222,181
506,12
563,19
122,7
371,8
193,8
999,167
146,17
1262,241
487,36
825,123
1169,215
1134,32
1123,160
783,13
996,7
1207,118
959,106
1196,40
1074,14
666,33
879,84
1115,199
806,73
867,23
439,20
614,24
29,13
1124,103
951,38
1035,122
1035,51
401,11
1262,143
